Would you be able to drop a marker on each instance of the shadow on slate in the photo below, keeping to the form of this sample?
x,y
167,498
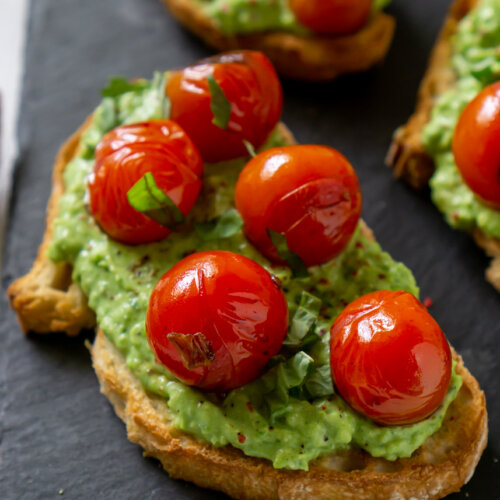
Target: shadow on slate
x,y
56,431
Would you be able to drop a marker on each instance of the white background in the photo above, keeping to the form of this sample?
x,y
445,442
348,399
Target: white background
x,y
12,34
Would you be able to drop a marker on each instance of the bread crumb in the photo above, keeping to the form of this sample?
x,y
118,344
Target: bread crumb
x,y
61,491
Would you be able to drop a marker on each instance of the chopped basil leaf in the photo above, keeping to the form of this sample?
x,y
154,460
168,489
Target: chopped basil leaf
x,y
299,269
304,322
219,104
117,85
288,380
250,148
319,384
160,82
224,226
146,197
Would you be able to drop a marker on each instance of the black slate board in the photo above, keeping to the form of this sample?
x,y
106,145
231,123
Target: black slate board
x,y
58,435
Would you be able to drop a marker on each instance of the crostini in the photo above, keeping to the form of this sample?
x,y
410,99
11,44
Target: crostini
x,y
304,39
234,298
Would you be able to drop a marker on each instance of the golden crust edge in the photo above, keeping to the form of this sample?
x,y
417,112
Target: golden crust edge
x,y
45,299
316,58
406,154
148,423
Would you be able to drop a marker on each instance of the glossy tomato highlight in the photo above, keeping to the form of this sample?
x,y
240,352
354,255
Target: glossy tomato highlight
x,y
389,358
122,157
308,193
215,320
476,145
332,17
253,89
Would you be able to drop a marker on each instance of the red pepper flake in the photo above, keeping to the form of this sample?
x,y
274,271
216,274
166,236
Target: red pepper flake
x,y
355,272
249,406
241,437
324,281
359,245
323,407
428,302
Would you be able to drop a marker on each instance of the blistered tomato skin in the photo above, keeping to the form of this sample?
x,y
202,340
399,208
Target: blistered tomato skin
x,y
476,145
122,157
389,358
308,193
215,319
251,85
332,17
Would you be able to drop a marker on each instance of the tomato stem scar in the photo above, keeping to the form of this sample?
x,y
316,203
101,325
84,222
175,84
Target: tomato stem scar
x,y
195,349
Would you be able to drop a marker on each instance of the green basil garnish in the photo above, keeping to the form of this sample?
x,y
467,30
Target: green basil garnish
x,y
287,379
299,269
224,226
146,197
250,148
117,85
319,384
160,82
219,104
302,329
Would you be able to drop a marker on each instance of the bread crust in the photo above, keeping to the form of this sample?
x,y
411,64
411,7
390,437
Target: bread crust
x,y
441,466
45,299
315,58
407,155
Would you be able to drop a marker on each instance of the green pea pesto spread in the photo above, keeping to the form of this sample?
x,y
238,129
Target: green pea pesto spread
x,y
290,415
476,62
251,16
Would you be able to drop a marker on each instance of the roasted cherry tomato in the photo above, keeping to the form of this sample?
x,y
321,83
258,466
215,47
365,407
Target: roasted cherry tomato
x,y
122,157
215,319
308,193
390,359
253,89
476,145
332,17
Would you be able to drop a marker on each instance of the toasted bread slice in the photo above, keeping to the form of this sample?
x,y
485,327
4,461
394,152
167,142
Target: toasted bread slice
x,y
45,300
407,155
314,58
441,466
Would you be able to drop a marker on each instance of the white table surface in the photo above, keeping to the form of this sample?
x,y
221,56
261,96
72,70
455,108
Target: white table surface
x,y
12,35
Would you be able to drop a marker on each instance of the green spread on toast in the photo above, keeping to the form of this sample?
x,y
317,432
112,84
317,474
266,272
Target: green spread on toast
x,y
289,415
476,62
238,17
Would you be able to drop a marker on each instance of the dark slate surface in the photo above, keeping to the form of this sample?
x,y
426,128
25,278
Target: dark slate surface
x,y
57,433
